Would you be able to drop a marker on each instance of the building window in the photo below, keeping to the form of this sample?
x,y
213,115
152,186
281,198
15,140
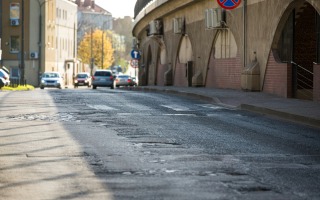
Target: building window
x,y
14,44
14,11
14,73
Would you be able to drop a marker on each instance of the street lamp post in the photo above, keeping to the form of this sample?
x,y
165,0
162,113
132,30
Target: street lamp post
x,y
91,56
40,35
102,50
22,44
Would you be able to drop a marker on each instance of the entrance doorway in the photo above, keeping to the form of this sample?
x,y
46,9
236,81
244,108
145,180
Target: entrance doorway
x,y
299,46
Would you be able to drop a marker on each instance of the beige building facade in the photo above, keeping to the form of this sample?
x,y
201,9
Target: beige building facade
x,y
34,30
270,46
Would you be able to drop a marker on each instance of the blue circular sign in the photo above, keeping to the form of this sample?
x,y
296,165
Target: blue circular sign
x,y
135,54
229,4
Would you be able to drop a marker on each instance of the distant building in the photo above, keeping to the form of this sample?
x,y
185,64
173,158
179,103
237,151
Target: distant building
x,y
44,31
92,16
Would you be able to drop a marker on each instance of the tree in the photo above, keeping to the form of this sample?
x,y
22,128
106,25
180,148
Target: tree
x,y
99,43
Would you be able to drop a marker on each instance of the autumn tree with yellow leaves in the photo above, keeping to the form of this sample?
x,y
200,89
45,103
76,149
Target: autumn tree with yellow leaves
x,y
100,43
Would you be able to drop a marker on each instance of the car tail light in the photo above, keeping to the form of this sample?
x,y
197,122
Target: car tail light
x,y
93,78
111,78
129,80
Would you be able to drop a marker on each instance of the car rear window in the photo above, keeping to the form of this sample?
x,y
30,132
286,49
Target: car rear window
x,y
102,73
82,75
123,76
50,75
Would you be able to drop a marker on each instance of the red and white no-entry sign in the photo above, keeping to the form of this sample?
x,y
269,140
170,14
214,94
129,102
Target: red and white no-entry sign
x,y
229,4
134,63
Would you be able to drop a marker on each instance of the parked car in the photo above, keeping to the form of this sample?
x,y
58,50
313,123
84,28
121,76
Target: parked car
x,y
124,80
4,77
51,79
102,78
83,79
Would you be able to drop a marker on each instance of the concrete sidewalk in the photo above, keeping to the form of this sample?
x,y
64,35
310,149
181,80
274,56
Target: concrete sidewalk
x,y
39,159
302,111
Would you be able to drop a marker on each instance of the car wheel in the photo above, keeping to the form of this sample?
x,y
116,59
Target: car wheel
x,y
41,88
94,87
112,87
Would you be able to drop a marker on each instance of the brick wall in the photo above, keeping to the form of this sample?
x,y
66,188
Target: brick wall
x,y
277,78
224,73
316,83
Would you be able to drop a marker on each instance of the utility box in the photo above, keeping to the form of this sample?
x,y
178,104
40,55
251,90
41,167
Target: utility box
x,y
250,77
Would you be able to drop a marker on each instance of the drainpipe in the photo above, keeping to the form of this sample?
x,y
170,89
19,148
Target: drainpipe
x,y
22,65
244,33
39,46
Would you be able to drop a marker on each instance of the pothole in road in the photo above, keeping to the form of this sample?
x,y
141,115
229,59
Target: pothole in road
x,y
66,117
117,124
156,144
146,172
254,189
131,133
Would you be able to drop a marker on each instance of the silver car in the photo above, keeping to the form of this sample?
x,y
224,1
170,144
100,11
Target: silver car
x,y
124,80
4,77
102,78
51,79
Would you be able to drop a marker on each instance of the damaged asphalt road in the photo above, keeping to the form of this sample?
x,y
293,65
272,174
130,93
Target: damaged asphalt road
x,y
152,146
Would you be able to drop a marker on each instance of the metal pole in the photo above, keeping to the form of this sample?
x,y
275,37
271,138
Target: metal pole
x,y
40,41
294,66
244,33
102,50
22,44
91,61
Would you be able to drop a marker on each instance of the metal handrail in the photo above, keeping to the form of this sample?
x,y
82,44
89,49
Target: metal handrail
x,y
302,67
302,80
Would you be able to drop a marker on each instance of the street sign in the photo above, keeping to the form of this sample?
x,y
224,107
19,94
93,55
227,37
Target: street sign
x,y
135,54
134,63
229,4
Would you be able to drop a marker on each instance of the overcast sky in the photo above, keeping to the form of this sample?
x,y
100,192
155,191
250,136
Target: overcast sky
x,y
118,8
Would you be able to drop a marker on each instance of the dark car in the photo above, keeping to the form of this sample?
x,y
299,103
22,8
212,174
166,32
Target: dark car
x,y
102,78
82,79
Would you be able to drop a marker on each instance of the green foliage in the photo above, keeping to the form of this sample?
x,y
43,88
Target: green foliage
x,y
123,63
100,44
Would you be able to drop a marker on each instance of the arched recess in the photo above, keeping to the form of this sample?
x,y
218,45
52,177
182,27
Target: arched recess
x,y
224,66
149,65
161,65
183,69
289,71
